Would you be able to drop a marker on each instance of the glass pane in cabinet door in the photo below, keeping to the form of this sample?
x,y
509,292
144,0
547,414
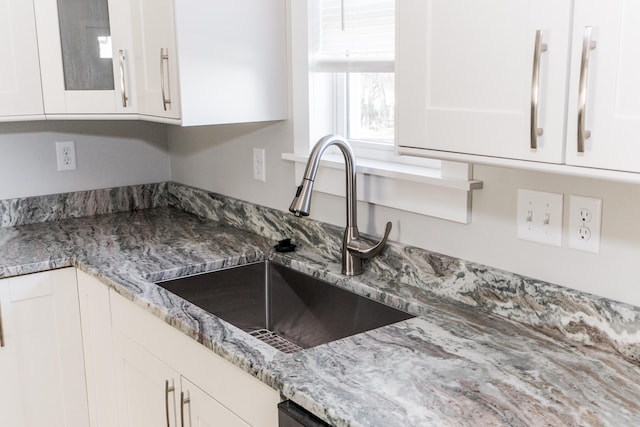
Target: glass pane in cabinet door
x,y
86,44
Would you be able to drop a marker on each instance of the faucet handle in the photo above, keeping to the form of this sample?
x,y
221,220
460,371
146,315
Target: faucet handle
x,y
361,249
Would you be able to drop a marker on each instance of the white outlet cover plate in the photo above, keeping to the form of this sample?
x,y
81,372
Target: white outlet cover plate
x,y
577,239
259,172
540,217
66,156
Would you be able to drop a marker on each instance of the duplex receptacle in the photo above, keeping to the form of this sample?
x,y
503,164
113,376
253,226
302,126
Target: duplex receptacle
x,y
584,215
584,233
66,155
584,223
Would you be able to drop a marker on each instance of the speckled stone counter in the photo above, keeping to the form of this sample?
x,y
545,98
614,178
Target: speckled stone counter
x,y
568,360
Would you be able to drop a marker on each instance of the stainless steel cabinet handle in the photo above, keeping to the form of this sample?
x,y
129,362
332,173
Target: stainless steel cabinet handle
x,y
1,329
539,48
587,46
123,86
185,401
164,57
168,389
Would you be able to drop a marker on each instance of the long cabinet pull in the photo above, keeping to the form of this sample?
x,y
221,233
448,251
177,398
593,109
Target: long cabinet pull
x,y
185,400
164,58
1,329
123,85
539,48
587,46
168,389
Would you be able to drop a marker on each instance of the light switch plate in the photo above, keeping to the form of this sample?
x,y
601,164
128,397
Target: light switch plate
x,y
540,217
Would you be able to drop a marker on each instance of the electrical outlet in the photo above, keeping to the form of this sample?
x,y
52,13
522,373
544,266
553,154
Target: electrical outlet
x,y
585,220
66,155
259,173
584,215
584,233
540,217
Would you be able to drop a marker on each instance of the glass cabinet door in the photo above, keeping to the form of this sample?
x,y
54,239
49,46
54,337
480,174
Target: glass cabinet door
x,y
85,36
85,56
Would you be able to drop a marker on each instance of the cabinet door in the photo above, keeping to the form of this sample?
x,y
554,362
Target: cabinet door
x,y
43,381
219,378
611,85
11,413
147,388
84,49
156,58
200,410
465,76
232,61
95,317
20,90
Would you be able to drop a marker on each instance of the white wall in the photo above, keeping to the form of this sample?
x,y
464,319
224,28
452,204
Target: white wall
x,y
219,159
109,154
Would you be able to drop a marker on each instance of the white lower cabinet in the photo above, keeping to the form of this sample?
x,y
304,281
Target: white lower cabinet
x,y
153,394
41,359
95,314
199,409
74,353
147,387
166,378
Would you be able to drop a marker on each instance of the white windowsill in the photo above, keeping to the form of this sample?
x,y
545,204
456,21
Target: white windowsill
x,y
426,191
399,171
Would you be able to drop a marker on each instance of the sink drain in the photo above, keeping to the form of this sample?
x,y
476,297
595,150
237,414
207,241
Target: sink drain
x,y
275,341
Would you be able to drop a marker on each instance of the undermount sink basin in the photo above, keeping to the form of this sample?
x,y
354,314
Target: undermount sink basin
x,y
283,307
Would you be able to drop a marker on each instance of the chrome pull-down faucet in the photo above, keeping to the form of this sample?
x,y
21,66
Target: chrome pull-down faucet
x,y
354,249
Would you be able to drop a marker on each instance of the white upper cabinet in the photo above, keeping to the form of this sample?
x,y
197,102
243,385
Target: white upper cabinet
x,y
605,85
156,59
214,62
476,84
85,54
472,77
20,90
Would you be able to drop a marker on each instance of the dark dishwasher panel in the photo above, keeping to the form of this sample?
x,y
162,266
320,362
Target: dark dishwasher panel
x,y
292,415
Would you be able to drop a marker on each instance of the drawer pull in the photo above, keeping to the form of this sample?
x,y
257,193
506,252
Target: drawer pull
x,y
168,389
587,46
123,85
1,328
166,89
185,400
539,48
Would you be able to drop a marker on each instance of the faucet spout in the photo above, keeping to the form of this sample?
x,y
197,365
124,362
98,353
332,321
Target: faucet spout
x,y
301,204
354,249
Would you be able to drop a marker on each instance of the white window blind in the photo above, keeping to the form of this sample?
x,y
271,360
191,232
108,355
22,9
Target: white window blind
x,y
353,35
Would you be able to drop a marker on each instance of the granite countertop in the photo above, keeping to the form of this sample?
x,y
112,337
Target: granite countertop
x,y
451,365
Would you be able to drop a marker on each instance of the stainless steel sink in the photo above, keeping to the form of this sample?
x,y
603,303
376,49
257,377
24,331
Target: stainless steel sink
x,y
283,307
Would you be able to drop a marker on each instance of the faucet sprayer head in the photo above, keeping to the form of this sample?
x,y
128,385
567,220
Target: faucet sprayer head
x,y
301,203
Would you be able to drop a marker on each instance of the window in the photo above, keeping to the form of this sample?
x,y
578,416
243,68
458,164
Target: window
x,y
343,81
351,65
